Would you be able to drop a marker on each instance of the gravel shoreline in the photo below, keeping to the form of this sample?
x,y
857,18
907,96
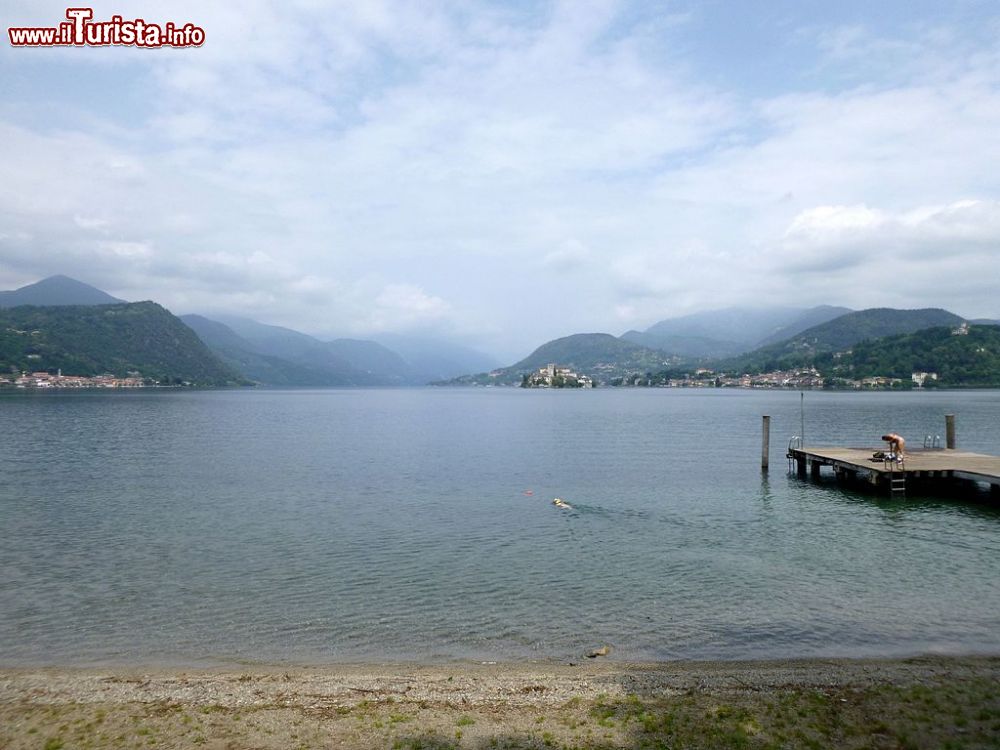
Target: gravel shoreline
x,y
514,684
472,705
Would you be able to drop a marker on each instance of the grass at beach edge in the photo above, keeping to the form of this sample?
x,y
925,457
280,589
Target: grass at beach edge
x,y
943,713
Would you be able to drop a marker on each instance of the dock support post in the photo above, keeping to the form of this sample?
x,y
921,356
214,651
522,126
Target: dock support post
x,y
814,469
801,465
765,443
949,431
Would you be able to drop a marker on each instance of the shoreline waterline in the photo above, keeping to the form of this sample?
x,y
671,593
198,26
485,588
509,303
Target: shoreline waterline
x,y
927,700
501,682
583,660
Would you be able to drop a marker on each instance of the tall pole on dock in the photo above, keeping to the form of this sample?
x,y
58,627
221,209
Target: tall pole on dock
x,y
765,443
949,431
802,416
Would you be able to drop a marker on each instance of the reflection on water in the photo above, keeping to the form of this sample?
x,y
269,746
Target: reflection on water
x,y
339,525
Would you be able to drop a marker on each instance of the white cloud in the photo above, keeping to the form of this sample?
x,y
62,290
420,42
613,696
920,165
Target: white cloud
x,y
915,257
826,220
125,250
966,227
403,307
91,222
569,256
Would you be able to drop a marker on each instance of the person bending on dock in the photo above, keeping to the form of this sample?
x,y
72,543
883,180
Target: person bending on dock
x,y
896,443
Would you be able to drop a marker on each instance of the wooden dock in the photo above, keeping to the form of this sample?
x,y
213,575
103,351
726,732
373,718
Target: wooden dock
x,y
931,470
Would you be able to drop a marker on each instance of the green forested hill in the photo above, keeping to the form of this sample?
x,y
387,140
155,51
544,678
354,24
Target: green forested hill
x,y
874,323
586,351
967,360
93,339
839,334
599,355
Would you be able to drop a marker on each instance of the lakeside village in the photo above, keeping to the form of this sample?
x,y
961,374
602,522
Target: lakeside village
x,y
550,376
48,380
807,378
556,376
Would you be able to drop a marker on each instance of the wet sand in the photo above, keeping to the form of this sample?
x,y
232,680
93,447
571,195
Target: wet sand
x,y
921,702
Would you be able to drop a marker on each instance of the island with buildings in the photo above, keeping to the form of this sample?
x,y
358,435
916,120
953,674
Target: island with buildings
x,y
556,376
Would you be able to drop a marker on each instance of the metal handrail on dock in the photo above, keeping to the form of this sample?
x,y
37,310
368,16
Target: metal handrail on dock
x,y
794,443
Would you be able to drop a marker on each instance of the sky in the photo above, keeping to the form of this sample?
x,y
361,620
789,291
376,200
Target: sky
x,y
504,173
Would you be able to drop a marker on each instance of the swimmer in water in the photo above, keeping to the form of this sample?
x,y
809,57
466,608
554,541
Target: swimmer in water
x,y
560,503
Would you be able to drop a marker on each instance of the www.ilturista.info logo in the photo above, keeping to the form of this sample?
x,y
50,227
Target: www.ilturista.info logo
x,y
81,31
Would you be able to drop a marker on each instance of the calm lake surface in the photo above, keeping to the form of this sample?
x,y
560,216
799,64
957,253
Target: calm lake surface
x,y
320,526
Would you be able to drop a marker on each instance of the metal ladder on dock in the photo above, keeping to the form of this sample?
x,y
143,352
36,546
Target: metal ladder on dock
x,y
896,464
897,484
793,442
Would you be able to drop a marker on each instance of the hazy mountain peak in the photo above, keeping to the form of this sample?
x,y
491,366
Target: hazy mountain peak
x,y
57,290
731,330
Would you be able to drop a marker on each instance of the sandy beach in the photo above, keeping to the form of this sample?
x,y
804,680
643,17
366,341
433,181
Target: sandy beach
x,y
926,702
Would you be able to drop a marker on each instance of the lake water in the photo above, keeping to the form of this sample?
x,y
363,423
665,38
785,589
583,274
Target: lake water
x,y
321,526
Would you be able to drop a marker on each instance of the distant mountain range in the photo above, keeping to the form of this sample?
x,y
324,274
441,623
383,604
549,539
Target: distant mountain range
x,y
433,359
725,333
605,358
244,357
267,354
282,356
311,361
61,323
